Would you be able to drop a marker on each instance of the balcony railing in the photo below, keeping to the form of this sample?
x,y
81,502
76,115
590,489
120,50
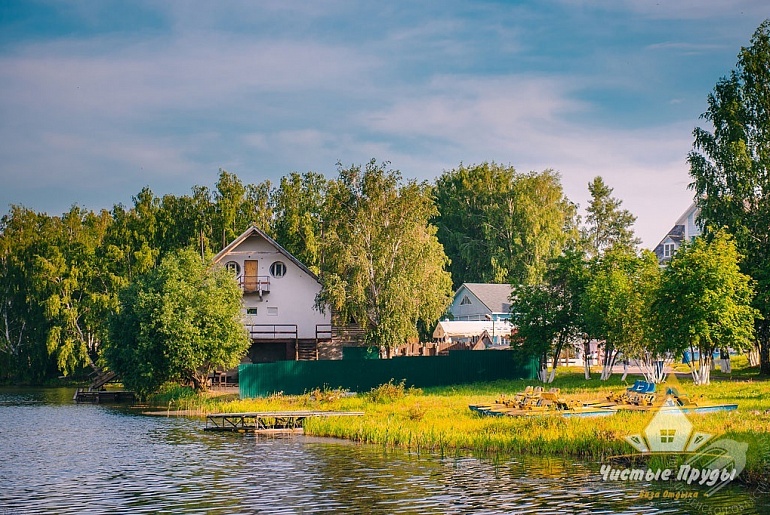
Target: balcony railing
x,y
254,283
272,331
323,332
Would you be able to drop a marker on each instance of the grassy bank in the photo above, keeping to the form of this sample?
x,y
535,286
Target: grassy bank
x,y
438,419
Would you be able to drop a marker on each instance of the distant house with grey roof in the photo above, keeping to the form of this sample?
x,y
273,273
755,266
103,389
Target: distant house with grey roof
x,y
685,230
481,301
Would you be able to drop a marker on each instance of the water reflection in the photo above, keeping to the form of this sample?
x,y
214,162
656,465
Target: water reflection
x,y
65,458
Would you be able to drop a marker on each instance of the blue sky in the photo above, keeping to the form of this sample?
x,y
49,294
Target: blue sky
x,y
101,98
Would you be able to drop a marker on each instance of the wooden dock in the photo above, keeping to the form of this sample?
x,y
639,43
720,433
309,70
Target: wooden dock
x,y
267,421
103,396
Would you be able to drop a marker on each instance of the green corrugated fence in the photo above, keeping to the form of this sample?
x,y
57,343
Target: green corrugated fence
x,y
459,367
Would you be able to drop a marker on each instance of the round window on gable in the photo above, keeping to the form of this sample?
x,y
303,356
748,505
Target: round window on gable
x,y
234,267
278,269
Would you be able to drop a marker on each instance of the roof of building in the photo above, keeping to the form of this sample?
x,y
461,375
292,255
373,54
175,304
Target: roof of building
x,y
254,230
496,297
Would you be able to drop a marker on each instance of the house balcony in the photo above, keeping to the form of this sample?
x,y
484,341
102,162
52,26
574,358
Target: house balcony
x,y
254,283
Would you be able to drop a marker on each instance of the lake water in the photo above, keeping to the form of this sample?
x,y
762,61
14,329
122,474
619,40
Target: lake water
x,y
59,457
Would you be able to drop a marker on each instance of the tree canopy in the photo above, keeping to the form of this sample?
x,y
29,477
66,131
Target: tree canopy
x,y
548,315
499,226
177,322
704,302
730,167
383,265
607,225
617,301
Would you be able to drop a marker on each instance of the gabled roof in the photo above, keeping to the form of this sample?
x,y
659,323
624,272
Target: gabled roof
x,y
253,230
677,233
496,297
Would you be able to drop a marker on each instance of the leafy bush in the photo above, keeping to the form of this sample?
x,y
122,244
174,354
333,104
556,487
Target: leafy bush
x,y
326,394
391,391
172,393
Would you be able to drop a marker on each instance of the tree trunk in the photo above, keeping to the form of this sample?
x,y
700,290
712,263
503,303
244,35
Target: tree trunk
x,y
753,355
586,357
764,358
555,363
542,374
702,375
609,362
763,342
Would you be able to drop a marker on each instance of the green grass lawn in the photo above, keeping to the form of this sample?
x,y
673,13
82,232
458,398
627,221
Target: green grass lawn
x,y
438,419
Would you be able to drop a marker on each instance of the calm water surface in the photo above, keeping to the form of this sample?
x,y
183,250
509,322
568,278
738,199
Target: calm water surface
x,y
58,457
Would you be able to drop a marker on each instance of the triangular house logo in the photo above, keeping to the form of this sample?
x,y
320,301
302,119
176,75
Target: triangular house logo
x,y
708,462
669,431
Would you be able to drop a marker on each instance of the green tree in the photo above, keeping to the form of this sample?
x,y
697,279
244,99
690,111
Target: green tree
x,y
383,266
607,225
299,204
130,244
617,301
498,226
704,302
730,168
257,207
178,322
539,226
548,315
73,291
228,198
23,324
464,197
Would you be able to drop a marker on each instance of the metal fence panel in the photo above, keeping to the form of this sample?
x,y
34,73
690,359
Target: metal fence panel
x,y
459,367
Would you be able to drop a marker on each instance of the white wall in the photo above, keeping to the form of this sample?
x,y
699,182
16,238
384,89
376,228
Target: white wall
x,y
293,294
692,229
475,310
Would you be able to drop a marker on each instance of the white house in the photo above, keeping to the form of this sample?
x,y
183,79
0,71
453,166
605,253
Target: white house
x,y
685,229
279,299
479,301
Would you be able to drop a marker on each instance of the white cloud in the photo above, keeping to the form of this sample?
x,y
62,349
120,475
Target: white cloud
x,y
534,124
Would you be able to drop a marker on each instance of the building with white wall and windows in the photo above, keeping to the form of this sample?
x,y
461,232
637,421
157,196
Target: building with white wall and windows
x,y
279,301
685,230
482,301
479,311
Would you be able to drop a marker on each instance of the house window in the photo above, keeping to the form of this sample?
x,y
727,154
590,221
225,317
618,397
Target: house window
x,y
667,435
234,267
272,312
465,301
278,269
251,311
668,249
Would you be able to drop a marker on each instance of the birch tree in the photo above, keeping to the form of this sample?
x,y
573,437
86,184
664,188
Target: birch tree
x,y
383,265
704,302
730,168
616,304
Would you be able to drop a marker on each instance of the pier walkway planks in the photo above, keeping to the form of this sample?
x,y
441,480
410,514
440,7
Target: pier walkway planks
x,y
267,420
